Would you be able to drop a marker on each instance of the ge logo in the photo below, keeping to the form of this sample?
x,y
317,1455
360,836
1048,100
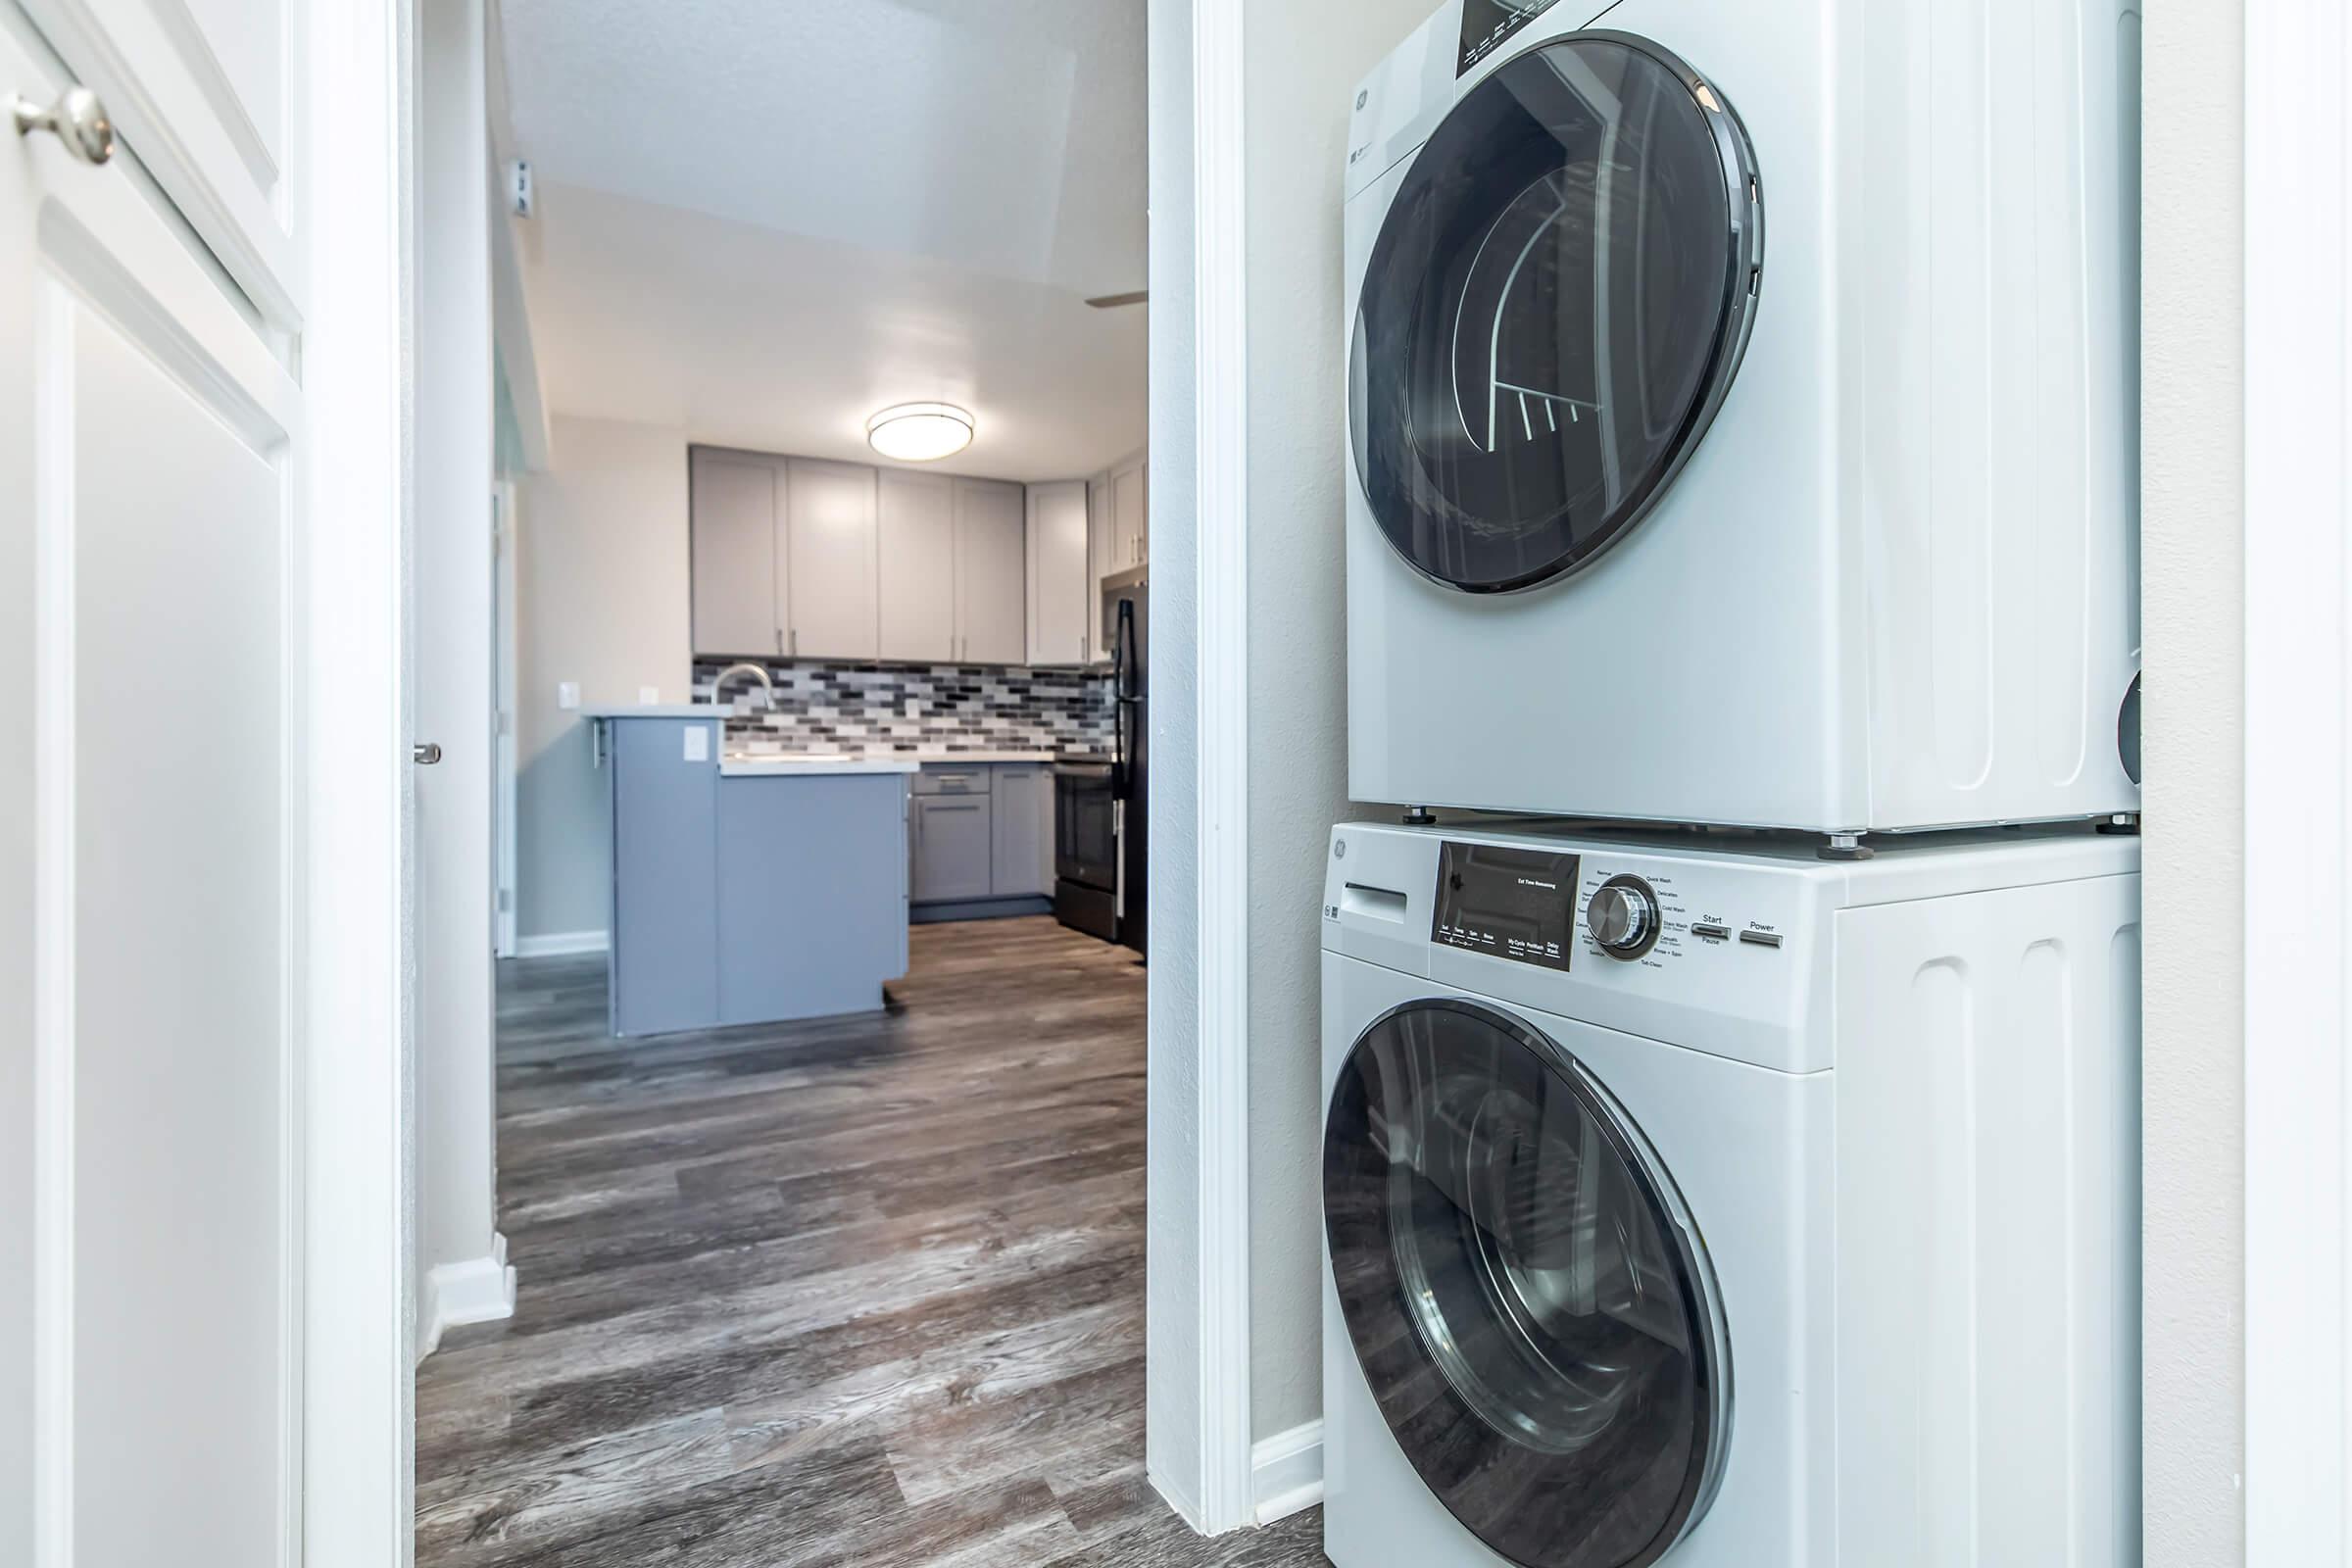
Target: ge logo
x,y
1361,96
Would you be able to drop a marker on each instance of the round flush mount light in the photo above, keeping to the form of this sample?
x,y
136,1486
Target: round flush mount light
x,y
920,432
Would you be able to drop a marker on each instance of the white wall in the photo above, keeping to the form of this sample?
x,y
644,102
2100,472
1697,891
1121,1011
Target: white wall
x,y
1304,61
2192,583
603,598
1172,1352
456,843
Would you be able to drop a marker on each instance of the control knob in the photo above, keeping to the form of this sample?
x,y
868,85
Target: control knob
x,y
1623,917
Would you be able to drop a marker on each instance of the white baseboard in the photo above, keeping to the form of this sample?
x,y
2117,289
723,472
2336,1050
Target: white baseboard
x,y
479,1290
1286,1472
558,944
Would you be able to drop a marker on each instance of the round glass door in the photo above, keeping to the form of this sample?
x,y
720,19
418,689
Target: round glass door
x,y
1524,1290
1554,308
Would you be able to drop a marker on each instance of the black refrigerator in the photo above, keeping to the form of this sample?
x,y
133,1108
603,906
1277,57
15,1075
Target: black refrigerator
x,y
1126,620
1101,798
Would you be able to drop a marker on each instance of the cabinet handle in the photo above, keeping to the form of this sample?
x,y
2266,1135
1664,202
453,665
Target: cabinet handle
x,y
796,641
77,119
780,642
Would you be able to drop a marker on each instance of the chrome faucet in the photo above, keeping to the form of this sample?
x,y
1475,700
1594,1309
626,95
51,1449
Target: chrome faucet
x,y
767,687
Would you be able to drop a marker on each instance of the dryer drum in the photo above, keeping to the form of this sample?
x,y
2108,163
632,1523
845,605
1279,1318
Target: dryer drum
x,y
1555,307
1523,1290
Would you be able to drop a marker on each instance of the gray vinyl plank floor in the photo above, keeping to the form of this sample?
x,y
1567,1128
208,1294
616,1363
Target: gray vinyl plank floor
x,y
862,1290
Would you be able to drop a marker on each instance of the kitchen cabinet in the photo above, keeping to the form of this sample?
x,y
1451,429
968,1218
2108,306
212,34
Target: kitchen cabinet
x,y
801,557
1131,525
916,555
1021,831
830,549
781,952
663,919
1102,550
953,848
991,568
1061,587
737,515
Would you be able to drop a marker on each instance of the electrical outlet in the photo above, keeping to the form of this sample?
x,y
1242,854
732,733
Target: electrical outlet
x,y
648,695
567,694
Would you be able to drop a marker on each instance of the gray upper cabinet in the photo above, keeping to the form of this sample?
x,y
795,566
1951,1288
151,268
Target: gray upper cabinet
x,y
830,547
1131,521
918,526
804,557
1059,586
991,566
739,573
953,848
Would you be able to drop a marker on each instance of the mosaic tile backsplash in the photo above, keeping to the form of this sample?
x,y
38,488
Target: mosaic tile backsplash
x,y
826,707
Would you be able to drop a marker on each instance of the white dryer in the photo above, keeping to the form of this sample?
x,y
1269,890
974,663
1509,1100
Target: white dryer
x,y
1741,412
1701,1202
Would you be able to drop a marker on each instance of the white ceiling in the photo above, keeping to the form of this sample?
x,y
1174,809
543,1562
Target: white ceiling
x,y
763,221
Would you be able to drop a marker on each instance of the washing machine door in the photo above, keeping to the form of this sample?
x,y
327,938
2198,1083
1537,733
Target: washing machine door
x,y
1526,1292
1554,311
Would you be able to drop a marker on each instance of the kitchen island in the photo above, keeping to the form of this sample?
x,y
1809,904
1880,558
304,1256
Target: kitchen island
x,y
747,890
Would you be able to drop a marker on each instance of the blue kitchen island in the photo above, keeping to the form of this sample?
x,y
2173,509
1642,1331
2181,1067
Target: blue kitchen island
x,y
747,891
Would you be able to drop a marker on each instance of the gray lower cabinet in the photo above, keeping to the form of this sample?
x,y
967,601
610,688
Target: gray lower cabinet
x,y
664,914
981,833
953,848
749,898
1022,858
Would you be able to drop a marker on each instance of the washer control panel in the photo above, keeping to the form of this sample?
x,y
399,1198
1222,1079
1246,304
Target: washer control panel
x,y
1507,903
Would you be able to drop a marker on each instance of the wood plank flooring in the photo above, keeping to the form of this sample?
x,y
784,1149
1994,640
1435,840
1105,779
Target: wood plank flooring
x,y
863,1291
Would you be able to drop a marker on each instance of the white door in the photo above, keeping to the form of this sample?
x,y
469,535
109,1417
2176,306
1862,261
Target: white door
x,y
1058,591
990,568
151,444
829,507
917,550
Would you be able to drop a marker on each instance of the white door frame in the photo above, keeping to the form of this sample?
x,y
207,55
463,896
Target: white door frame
x,y
504,652
2298,802
359,1432
1198,1421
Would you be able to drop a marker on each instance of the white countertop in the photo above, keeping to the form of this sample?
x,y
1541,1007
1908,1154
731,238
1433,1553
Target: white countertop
x,y
653,711
781,766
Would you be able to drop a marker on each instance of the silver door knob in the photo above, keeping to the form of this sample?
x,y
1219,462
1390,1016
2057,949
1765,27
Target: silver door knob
x,y
77,119
427,754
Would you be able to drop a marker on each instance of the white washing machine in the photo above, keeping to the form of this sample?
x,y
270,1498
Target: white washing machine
x,y
1741,412
1716,1206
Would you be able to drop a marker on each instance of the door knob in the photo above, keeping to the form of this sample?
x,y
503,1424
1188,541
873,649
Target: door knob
x,y
77,119
427,753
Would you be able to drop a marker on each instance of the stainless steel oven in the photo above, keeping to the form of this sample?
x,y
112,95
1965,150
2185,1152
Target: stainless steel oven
x,y
1086,846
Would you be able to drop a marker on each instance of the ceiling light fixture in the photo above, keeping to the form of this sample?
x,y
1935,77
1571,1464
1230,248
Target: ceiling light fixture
x,y
920,432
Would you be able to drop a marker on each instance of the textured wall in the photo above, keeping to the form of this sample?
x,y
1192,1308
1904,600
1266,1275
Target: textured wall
x,y
2193,584
602,598
1304,61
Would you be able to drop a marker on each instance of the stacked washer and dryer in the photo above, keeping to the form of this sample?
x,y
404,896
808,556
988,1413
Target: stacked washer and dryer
x,y
1731,1156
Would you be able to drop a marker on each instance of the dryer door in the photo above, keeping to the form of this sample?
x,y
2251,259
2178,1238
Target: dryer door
x,y
1525,1294
1554,311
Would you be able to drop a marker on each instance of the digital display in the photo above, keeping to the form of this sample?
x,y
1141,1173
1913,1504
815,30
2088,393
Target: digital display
x,y
1507,904
1485,24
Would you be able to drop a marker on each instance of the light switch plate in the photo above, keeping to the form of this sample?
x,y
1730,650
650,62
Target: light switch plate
x,y
648,695
567,694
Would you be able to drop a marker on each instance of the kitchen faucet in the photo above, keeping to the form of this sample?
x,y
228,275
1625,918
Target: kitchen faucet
x,y
767,687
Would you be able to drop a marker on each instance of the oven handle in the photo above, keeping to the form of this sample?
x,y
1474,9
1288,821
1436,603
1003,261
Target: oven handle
x,y
1088,770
